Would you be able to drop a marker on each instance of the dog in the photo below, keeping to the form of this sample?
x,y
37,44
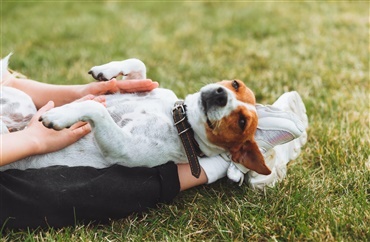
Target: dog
x,y
137,129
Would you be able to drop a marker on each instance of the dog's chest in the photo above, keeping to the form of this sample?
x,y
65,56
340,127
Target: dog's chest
x,y
147,120
133,109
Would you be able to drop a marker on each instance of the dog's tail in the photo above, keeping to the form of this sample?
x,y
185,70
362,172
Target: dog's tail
x,y
4,72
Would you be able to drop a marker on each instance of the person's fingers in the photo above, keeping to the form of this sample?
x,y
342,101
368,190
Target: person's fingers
x,y
147,88
100,99
104,87
80,131
108,86
126,86
46,107
42,110
74,133
140,89
87,97
136,85
78,125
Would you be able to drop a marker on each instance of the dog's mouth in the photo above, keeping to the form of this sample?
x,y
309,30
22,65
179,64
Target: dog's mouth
x,y
210,124
205,109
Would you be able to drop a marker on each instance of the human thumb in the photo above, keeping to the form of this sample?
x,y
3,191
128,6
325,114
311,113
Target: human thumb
x,y
46,107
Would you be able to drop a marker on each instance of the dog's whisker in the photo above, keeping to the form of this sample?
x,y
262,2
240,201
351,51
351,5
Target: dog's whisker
x,y
216,124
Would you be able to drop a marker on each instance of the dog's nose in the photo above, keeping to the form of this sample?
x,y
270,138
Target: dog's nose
x,y
216,97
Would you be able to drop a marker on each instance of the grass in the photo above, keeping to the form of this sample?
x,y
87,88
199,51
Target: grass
x,y
320,49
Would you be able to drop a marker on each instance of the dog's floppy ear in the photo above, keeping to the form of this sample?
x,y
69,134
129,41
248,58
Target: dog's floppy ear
x,y
250,156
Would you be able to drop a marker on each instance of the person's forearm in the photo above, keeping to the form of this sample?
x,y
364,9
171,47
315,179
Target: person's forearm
x,y
187,180
41,93
16,146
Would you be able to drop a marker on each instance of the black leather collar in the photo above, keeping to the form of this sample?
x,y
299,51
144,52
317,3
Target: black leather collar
x,y
186,134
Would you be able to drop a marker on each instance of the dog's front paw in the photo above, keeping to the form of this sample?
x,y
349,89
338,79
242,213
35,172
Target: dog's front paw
x,y
59,118
105,72
128,69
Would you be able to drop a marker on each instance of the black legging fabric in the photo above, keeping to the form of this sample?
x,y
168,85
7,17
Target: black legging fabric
x,y
62,196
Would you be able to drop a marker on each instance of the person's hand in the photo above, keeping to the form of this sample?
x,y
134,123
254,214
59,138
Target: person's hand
x,y
113,86
48,140
130,86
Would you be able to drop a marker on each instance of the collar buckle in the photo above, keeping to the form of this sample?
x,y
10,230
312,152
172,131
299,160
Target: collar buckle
x,y
179,105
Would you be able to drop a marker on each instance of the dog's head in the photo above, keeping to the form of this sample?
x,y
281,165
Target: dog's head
x,y
227,118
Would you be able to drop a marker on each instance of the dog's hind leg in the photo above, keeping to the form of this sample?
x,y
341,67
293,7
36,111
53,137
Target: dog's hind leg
x,y
108,135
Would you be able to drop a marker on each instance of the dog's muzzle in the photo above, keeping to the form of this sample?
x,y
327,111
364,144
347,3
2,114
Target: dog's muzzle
x,y
217,97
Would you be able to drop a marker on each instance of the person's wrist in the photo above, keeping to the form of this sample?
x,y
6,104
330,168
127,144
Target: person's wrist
x,y
35,143
9,81
31,143
82,90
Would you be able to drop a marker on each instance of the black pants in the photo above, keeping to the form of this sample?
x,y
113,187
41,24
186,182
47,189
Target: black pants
x,y
62,196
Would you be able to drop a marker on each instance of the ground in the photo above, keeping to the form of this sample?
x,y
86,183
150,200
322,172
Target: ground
x,y
320,49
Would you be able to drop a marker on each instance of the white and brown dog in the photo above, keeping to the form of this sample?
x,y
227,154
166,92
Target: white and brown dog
x,y
138,129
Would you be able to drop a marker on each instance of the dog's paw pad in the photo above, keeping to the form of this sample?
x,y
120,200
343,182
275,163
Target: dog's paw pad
x,y
98,76
58,119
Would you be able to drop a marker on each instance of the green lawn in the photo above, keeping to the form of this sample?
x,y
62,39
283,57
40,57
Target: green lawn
x,y
320,50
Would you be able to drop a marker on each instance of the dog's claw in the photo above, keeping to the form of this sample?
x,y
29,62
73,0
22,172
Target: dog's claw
x,y
49,125
101,77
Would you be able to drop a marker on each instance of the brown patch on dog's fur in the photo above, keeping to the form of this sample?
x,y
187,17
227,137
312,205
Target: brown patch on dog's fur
x,y
228,134
134,75
16,121
249,155
243,94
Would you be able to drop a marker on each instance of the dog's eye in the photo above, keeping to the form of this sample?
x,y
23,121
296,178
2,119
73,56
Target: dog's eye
x,y
242,122
235,85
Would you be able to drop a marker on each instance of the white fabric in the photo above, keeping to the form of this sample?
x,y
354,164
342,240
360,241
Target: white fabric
x,y
278,157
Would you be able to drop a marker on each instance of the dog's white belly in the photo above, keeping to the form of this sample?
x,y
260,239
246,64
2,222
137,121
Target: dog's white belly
x,y
82,153
151,138
147,121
